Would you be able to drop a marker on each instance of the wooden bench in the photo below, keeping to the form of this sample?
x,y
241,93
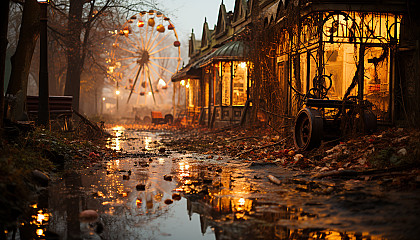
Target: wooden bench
x,y
60,109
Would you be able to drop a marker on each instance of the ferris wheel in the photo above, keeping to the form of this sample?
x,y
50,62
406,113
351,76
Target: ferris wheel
x,y
146,51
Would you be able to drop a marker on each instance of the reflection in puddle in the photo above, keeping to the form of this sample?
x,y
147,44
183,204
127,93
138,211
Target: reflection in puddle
x,y
134,200
232,209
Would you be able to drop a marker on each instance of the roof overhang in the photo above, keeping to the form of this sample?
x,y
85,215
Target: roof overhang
x,y
231,51
185,73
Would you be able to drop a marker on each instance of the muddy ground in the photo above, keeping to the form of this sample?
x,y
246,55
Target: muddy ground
x,y
233,183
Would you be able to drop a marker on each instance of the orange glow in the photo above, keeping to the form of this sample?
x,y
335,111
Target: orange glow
x,y
39,232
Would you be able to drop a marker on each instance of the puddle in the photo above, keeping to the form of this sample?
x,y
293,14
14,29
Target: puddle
x,y
147,194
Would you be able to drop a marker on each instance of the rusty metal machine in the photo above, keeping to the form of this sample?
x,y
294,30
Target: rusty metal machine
x,y
321,118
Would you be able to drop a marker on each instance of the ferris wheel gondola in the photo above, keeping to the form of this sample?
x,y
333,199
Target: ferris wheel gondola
x,y
146,50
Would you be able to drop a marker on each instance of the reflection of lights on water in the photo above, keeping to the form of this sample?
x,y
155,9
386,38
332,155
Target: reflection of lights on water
x,y
147,142
116,142
183,169
40,217
39,232
139,202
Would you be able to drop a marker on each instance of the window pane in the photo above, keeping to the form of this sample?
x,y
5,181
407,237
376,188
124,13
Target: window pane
x,y
226,76
239,83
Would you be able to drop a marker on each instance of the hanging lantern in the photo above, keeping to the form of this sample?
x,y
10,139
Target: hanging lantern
x,y
142,93
177,44
133,17
140,23
166,18
142,13
151,12
126,31
143,84
130,21
115,45
165,87
159,14
151,22
171,26
160,28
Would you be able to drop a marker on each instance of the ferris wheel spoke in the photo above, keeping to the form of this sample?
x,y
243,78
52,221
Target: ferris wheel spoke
x,y
122,68
161,67
157,44
131,42
160,49
154,70
135,81
124,49
151,86
122,59
136,37
164,57
131,73
154,39
150,37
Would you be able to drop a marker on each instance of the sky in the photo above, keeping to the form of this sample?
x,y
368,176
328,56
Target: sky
x,y
189,14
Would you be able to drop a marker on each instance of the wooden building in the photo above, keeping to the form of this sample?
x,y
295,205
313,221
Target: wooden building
x,y
299,49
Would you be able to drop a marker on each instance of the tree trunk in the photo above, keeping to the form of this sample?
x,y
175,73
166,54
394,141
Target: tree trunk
x,y
21,60
74,66
4,22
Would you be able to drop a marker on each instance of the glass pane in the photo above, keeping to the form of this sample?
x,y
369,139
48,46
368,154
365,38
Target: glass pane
x,y
376,84
239,83
206,89
340,66
216,74
226,76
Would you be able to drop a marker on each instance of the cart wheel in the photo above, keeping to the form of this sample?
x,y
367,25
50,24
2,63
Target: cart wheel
x,y
308,129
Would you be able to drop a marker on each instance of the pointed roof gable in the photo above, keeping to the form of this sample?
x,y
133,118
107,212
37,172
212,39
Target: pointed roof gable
x,y
240,10
205,37
192,46
250,3
222,19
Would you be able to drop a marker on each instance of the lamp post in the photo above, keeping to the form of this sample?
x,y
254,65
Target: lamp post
x,y
118,93
102,105
43,105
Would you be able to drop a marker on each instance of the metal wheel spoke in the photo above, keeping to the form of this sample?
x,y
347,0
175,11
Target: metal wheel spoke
x,y
150,83
135,81
129,41
160,50
122,59
127,50
161,67
148,41
154,70
164,57
122,68
157,44
154,39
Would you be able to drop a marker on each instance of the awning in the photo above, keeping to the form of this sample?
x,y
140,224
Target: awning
x,y
231,51
185,73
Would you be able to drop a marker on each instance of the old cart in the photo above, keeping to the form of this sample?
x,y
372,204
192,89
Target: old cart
x,y
322,118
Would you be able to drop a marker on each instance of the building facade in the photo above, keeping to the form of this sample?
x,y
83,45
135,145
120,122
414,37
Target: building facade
x,y
281,53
